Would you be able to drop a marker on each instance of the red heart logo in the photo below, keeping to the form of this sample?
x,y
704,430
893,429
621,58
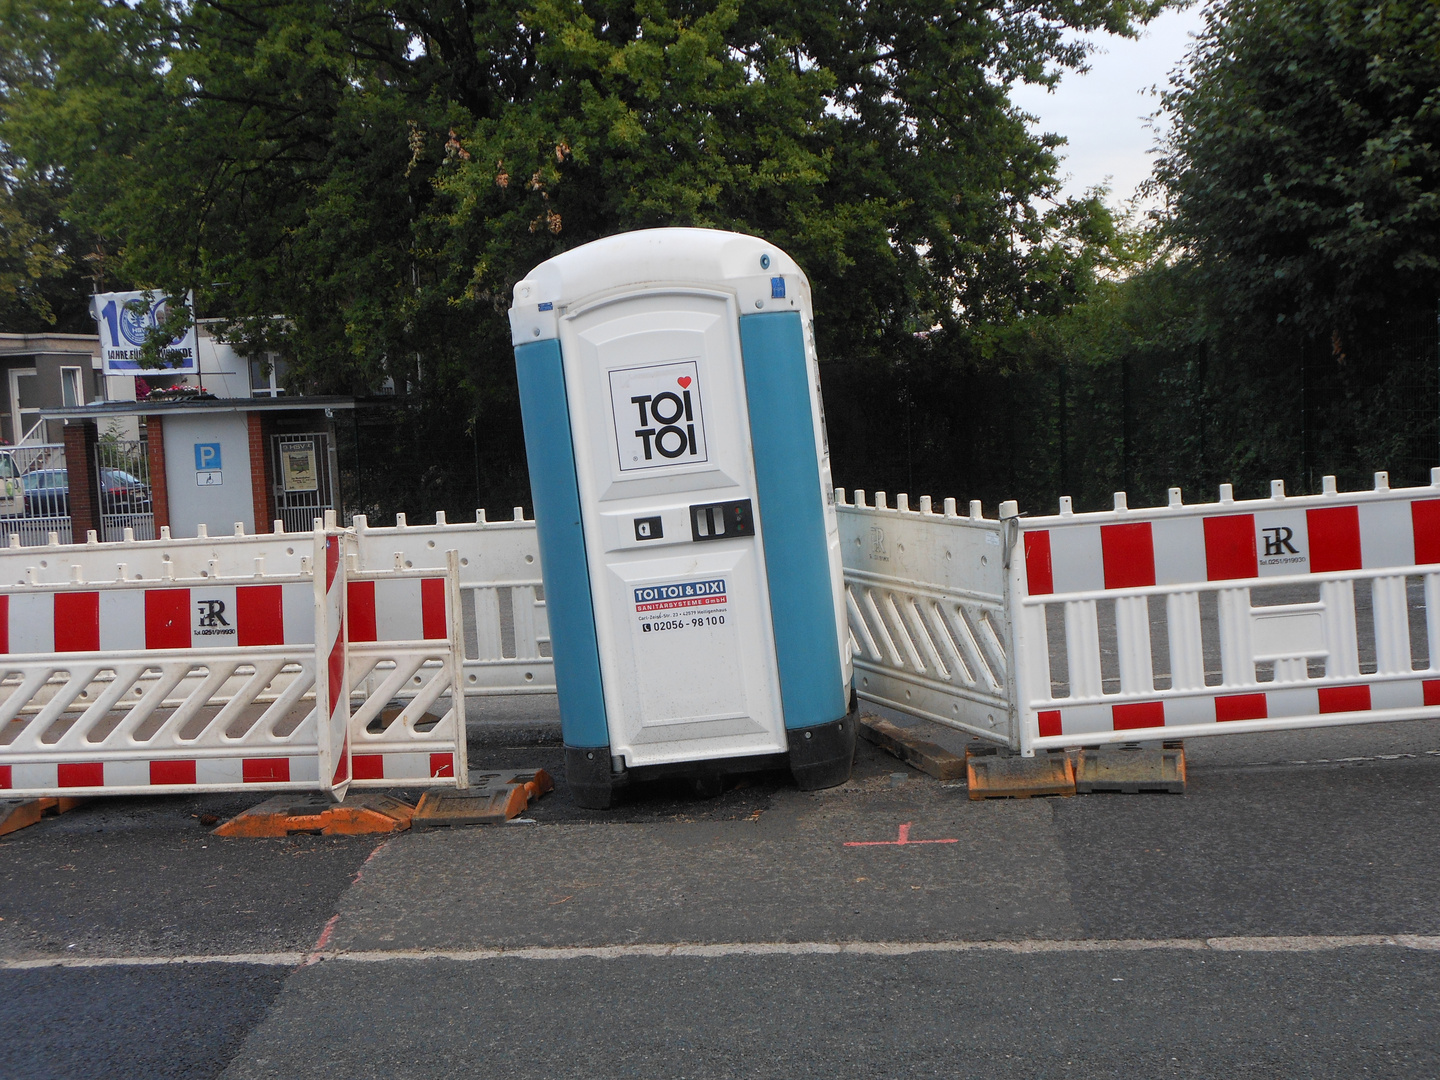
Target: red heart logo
x,y
684,382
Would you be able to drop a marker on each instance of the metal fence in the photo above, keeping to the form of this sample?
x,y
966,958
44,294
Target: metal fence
x,y
123,481
46,513
303,482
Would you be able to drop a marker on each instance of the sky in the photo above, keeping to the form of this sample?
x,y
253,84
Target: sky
x,y
1103,112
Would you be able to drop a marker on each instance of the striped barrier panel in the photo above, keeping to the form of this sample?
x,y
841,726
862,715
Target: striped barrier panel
x,y
1233,616
505,632
506,635
1132,625
406,656
205,685
332,685
209,684
75,620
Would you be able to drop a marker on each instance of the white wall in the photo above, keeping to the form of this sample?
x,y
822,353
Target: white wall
x,y
218,508
223,371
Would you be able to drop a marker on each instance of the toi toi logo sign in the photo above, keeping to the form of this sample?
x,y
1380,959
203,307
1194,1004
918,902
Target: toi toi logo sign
x,y
659,418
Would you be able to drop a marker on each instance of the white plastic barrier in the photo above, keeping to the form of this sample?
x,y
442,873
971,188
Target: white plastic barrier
x,y
225,682
122,687
504,632
1033,632
929,626
1274,613
404,643
502,606
1162,623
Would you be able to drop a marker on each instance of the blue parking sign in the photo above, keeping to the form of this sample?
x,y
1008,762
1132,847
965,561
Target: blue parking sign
x,y
207,456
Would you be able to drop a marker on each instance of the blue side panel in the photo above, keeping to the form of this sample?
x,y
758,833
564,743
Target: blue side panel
x,y
551,458
792,518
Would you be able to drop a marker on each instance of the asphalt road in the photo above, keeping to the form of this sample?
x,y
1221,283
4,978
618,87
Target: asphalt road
x,y
1280,919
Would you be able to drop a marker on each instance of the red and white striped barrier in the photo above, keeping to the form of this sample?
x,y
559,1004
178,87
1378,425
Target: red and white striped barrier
x,y
216,684
110,620
507,644
1265,591
1403,699
408,652
1172,622
213,718
506,649
1230,541
391,608
332,688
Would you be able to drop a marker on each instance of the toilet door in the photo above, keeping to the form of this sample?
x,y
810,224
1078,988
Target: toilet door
x,y
672,530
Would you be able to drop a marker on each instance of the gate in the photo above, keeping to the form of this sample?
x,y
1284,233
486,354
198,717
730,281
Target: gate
x,y
40,468
123,480
303,483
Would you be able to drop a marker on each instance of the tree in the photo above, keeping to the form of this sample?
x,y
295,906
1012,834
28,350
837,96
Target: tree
x,y
380,173
1302,167
30,259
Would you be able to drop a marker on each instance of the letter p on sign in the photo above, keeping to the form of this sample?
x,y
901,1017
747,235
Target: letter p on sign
x,y
207,456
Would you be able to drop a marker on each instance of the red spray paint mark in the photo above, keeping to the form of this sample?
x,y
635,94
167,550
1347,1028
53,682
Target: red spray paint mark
x,y
904,838
322,941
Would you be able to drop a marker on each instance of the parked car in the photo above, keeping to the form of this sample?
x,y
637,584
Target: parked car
x,y
123,493
12,492
47,493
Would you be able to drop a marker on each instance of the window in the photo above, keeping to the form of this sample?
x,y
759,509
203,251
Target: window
x,y
267,376
70,393
24,401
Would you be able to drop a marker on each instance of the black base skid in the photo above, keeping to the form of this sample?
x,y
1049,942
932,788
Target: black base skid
x,y
587,774
819,757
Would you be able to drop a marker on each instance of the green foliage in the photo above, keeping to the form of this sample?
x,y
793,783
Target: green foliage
x,y
357,185
75,80
28,258
380,174
1303,166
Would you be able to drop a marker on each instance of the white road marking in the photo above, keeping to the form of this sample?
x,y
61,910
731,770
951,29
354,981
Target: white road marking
x,y
1336,761
1025,947
272,959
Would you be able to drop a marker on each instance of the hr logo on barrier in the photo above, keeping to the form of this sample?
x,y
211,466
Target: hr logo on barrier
x,y
1277,541
658,415
210,619
1281,543
877,544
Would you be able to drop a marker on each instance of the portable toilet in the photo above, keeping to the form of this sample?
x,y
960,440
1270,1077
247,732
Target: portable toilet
x,y
688,540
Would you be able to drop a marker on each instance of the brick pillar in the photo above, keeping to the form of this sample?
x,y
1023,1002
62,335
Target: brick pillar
x,y
262,473
81,437
159,488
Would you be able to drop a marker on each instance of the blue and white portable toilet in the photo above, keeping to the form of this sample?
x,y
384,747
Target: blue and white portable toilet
x,y
688,541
